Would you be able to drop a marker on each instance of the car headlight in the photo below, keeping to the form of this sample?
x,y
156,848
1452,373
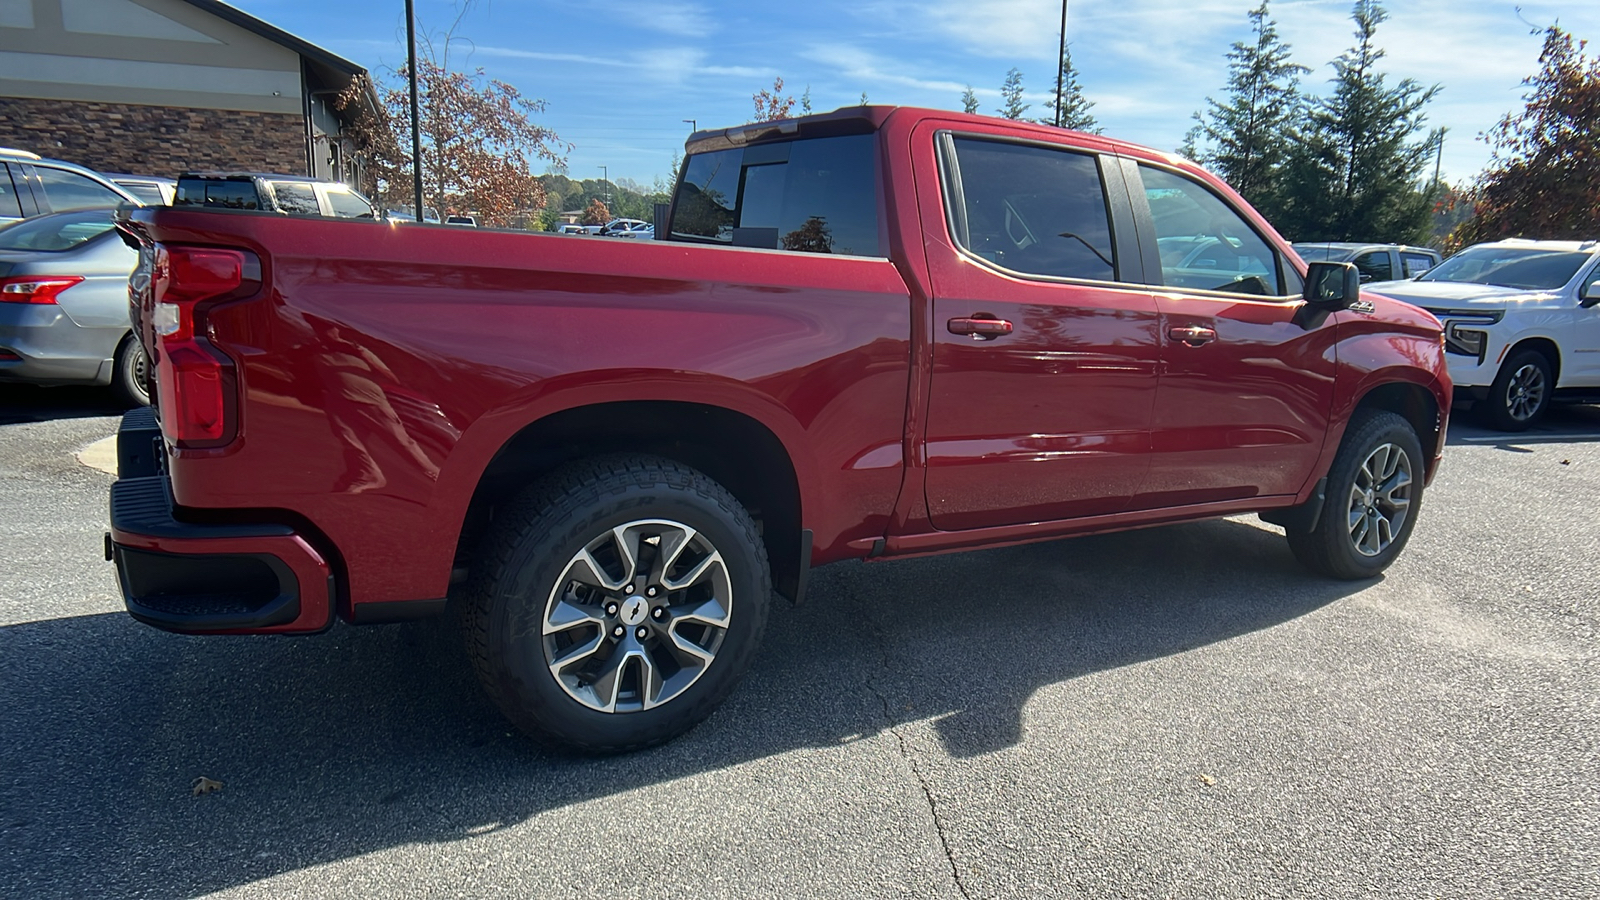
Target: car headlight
x,y
1467,338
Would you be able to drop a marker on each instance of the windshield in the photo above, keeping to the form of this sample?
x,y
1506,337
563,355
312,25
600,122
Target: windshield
x,y
1525,268
57,233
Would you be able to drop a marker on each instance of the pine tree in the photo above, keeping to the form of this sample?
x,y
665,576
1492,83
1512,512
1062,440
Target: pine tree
x,y
1353,173
969,100
1074,112
1011,93
1245,138
1544,180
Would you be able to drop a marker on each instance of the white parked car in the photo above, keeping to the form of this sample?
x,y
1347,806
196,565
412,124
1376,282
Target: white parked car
x,y
1521,324
628,228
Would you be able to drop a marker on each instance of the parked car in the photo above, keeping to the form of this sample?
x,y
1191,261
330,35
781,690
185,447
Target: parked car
x,y
429,214
1376,262
867,334
293,195
64,304
571,228
152,189
31,185
627,228
469,221
1521,324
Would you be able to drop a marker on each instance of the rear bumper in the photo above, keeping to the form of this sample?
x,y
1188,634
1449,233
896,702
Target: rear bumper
x,y
42,345
206,578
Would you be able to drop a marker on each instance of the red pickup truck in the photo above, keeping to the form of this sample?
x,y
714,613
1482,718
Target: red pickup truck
x,y
873,333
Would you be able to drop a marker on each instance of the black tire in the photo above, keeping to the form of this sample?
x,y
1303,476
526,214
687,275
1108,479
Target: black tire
x,y
523,573
1521,392
130,373
1338,545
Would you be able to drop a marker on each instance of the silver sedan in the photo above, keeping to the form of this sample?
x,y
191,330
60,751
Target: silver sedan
x,y
64,304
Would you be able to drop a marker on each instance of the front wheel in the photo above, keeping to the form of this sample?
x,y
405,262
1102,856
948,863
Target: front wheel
x,y
1520,393
1373,495
130,377
618,603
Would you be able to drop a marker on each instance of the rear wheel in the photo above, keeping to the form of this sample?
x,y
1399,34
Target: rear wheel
x,y
618,602
1373,495
130,375
1520,393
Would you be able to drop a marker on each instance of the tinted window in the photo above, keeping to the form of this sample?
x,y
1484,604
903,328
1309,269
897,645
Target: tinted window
x,y
1375,266
144,190
815,196
296,199
69,190
1415,264
1033,210
1204,243
1526,268
54,233
9,207
207,192
348,205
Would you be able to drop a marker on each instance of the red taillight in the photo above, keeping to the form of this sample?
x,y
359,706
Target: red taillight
x,y
35,288
195,380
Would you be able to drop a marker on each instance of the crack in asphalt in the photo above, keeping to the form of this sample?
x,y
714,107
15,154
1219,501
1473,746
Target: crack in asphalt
x,y
876,630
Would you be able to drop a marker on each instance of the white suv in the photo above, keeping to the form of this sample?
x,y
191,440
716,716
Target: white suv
x,y
1520,322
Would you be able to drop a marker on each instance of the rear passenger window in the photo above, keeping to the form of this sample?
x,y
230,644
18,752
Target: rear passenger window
x,y
1415,263
1034,210
9,207
296,199
69,190
224,194
1204,244
347,205
1375,266
817,195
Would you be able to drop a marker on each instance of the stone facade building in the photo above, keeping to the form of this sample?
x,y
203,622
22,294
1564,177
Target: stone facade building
x,y
158,87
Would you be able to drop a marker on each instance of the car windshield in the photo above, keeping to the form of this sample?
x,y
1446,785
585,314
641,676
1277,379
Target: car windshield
x,y
56,233
1525,268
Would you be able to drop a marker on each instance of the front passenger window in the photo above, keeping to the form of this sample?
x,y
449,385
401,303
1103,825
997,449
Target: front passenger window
x,y
1375,266
1204,244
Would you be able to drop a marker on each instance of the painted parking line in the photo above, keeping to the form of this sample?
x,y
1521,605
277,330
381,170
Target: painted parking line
x,y
1514,438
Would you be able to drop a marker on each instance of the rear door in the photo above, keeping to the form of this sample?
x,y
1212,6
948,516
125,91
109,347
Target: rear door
x,y
1246,379
1044,363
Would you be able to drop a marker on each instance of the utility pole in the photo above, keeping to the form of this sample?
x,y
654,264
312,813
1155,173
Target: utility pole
x,y
1061,55
1438,160
416,123
605,176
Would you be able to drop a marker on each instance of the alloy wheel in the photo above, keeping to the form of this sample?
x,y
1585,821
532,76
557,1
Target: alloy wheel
x,y
1525,392
1380,499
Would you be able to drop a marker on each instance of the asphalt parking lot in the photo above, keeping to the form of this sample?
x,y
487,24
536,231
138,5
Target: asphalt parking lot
x,y
1174,712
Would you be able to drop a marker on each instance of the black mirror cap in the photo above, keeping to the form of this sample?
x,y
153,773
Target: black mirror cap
x,y
1332,285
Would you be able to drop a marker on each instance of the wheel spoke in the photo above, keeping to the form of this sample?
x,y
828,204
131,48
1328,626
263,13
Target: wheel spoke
x,y
564,615
672,547
577,654
585,569
710,565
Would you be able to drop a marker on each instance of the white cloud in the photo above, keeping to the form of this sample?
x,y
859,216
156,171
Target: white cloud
x,y
679,19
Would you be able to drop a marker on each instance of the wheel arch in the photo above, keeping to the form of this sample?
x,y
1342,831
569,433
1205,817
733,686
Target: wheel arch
x,y
731,447
1414,403
1545,346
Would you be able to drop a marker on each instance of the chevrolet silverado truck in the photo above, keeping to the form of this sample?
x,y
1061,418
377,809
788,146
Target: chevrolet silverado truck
x,y
868,334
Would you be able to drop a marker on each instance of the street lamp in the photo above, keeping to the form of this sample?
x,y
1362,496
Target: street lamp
x,y
605,175
691,123
416,128
1061,55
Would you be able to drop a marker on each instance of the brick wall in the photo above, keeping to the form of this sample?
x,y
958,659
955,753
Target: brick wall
x,y
153,140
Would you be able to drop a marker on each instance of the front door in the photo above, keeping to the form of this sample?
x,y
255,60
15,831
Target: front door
x,y
1247,377
1044,365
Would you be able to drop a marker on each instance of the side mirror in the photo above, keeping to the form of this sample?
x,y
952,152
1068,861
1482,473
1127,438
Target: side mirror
x,y
1332,285
1591,295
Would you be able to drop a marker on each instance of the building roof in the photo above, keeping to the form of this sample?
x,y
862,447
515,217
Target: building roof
x,y
277,35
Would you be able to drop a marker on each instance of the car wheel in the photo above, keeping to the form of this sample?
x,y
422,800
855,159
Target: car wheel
x,y
1374,493
130,377
1520,393
617,603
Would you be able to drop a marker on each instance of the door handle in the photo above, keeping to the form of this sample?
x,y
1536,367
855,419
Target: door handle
x,y
1193,335
982,328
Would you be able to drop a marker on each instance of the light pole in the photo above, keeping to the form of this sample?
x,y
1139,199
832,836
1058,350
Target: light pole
x,y
416,127
1062,55
605,176
693,126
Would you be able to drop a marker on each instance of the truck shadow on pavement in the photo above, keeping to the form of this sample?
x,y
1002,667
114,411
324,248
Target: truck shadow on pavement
x,y
360,740
31,403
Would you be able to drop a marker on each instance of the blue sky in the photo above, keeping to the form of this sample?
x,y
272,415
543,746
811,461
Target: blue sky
x,y
619,76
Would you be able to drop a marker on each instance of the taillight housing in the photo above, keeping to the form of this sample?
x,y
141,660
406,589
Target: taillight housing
x,y
197,384
40,289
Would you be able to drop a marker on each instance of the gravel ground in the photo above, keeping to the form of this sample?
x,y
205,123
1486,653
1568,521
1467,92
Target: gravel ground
x,y
1175,712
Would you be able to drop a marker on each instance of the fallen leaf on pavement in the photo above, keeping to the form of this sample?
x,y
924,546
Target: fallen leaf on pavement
x,y
1208,780
204,785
